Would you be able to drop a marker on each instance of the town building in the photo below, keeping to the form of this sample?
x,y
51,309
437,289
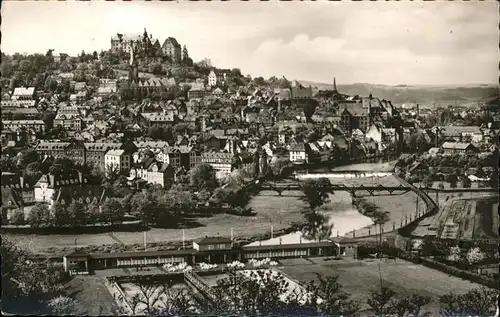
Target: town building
x,y
152,171
19,103
197,91
298,153
126,42
22,93
74,150
14,113
151,119
460,133
172,49
450,148
69,118
37,126
217,250
117,160
217,77
65,187
354,116
95,153
220,162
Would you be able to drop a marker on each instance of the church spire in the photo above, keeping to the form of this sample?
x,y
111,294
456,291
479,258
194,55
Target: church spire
x,y
334,85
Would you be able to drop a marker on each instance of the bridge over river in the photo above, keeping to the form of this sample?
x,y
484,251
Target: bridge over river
x,y
352,189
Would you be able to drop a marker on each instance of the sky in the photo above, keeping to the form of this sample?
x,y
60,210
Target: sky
x,y
390,43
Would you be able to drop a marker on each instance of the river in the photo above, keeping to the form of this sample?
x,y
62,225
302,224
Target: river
x,y
342,215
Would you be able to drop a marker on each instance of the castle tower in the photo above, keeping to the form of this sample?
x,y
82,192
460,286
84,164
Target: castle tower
x,y
133,73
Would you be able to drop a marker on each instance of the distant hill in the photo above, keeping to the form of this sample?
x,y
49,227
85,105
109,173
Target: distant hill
x,y
425,95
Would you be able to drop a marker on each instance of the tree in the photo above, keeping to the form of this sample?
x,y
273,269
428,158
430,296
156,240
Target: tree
x,y
476,302
475,255
17,218
316,192
112,211
309,109
466,182
147,297
260,292
77,213
317,226
380,300
454,254
26,283
26,157
60,215
205,63
39,216
202,176
94,213
260,81
280,166
62,306
418,301
335,302
236,73
33,169
255,164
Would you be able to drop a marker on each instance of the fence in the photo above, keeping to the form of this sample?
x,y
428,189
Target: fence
x,y
198,282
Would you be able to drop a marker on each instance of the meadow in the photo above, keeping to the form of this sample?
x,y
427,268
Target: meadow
x,y
359,278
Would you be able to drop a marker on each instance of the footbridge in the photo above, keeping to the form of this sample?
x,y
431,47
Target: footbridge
x,y
194,279
352,189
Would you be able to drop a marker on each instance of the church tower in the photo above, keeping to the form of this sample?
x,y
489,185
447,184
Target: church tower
x,y
133,72
334,85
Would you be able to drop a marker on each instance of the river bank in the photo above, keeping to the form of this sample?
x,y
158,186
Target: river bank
x,y
283,213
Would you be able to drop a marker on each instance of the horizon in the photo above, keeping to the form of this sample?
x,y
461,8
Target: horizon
x,y
412,44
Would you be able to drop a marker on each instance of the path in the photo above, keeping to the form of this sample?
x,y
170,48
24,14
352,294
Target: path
x,y
92,296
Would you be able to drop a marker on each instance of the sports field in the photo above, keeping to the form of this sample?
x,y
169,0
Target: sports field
x,y
473,216
360,277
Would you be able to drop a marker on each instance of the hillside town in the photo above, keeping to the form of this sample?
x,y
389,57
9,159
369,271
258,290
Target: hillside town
x,y
140,135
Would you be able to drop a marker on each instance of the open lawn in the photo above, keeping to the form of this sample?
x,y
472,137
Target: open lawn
x,y
361,277
92,296
398,207
368,167
281,212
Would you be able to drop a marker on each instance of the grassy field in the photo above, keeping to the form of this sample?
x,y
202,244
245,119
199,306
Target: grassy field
x,y
92,296
281,212
397,206
368,167
361,277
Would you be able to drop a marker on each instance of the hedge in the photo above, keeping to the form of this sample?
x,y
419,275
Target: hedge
x,y
473,277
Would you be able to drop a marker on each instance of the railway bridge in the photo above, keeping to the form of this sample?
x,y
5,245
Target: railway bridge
x,y
352,189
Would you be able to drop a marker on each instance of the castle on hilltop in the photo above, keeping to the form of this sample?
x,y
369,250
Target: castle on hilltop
x,y
145,45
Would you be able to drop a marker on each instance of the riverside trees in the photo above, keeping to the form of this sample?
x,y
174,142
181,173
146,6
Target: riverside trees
x,y
316,193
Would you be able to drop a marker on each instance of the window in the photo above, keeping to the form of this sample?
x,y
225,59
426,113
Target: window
x,y
210,246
